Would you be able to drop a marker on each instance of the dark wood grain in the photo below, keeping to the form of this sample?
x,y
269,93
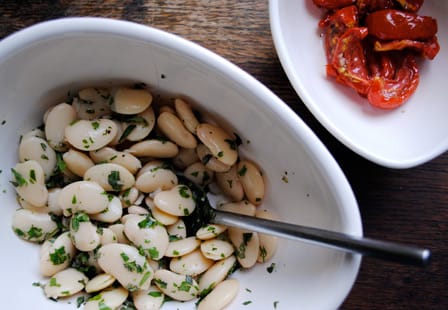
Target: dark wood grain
x,y
402,205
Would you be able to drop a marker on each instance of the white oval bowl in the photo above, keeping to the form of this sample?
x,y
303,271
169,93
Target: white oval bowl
x,y
40,64
408,136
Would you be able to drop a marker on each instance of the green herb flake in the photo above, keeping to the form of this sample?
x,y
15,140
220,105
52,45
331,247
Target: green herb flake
x,y
114,180
77,219
247,303
220,154
184,192
44,157
155,294
80,301
153,253
242,171
59,256
34,232
74,200
126,132
43,146
19,180
161,283
144,278
148,222
275,304
270,269
54,283
95,124
32,176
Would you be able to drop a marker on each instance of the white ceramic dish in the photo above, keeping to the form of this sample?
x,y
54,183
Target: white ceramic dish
x,y
405,137
40,64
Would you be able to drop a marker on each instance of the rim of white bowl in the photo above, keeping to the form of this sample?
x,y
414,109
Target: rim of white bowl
x,y
331,169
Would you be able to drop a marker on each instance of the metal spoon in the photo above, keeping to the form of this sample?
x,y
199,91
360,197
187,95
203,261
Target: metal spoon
x,y
391,251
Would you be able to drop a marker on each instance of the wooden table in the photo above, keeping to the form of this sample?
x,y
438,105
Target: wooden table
x,y
400,205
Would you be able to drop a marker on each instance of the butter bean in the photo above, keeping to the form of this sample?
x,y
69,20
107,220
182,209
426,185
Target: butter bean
x,y
90,135
147,234
242,207
35,226
29,182
216,249
57,255
210,231
150,299
111,298
77,162
268,243
85,196
154,148
110,155
247,244
185,113
192,264
177,230
92,103
176,201
161,216
216,274
35,132
112,213
118,229
182,247
211,162
138,210
252,181
172,127
130,101
156,179
65,283
38,149
199,174
99,282
126,264
107,236
176,286
129,197
53,203
138,127
184,158
230,184
57,119
111,177
219,142
84,233
221,296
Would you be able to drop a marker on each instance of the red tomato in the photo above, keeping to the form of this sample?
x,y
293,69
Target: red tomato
x,y
398,25
333,4
390,93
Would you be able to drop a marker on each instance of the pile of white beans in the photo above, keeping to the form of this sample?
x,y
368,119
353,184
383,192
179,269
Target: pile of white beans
x,y
97,187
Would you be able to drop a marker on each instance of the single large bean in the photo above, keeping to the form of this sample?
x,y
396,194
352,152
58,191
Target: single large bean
x,y
216,273
38,149
221,295
182,247
77,162
84,233
126,264
65,283
29,182
150,299
112,213
110,155
90,135
172,127
130,101
230,184
92,103
57,256
111,177
176,201
138,127
111,298
56,120
33,225
221,144
154,148
185,113
147,234
177,286
192,264
85,196
252,181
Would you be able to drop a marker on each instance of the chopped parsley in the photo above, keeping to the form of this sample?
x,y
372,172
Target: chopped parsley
x,y
19,180
148,222
95,124
270,269
247,303
114,180
242,171
35,232
126,132
184,192
77,219
59,256
155,294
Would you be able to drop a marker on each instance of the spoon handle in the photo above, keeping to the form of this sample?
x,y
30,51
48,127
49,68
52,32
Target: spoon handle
x,y
370,247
